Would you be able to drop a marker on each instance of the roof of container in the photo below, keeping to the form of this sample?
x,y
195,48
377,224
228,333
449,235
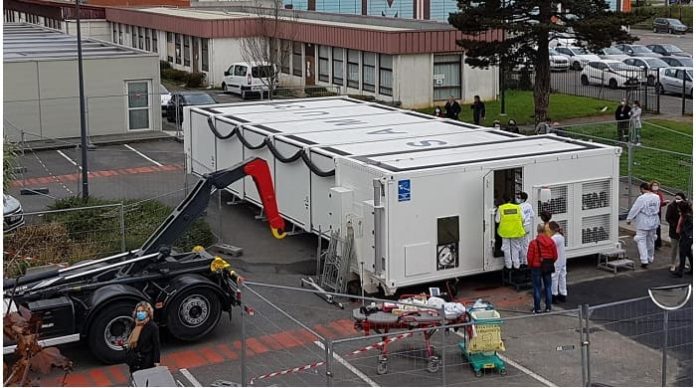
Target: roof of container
x,y
22,42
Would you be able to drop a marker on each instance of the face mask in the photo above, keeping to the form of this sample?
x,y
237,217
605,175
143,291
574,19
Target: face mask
x,y
655,188
518,200
623,102
141,315
677,200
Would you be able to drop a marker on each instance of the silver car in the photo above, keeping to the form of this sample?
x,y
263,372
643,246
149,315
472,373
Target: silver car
x,y
13,215
676,80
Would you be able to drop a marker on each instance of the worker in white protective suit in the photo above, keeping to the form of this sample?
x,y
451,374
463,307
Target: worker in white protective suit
x,y
527,221
645,211
559,290
511,230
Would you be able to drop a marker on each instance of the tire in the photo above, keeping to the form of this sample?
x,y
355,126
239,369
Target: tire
x,y
577,66
111,325
659,89
651,80
670,31
224,88
193,313
584,80
244,95
170,119
613,84
382,368
655,30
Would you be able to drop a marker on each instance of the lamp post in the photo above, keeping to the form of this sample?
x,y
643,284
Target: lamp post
x,y
81,91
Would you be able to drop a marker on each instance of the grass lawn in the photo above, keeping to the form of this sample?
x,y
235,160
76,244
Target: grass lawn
x,y
520,106
666,154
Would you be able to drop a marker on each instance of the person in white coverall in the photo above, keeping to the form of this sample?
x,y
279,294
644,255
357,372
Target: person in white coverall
x,y
645,211
527,221
559,290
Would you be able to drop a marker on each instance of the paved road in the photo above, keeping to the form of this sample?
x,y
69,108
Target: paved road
x,y
684,42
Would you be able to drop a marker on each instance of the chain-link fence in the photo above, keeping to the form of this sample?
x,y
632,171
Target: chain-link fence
x,y
292,340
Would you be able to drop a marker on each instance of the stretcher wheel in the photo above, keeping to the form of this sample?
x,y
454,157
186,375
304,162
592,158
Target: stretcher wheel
x,y
433,364
478,373
382,368
502,371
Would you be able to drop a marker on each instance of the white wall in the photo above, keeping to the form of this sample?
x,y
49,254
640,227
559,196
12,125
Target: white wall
x,y
91,28
481,82
413,80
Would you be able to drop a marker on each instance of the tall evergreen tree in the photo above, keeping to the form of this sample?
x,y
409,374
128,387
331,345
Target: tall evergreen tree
x,y
523,29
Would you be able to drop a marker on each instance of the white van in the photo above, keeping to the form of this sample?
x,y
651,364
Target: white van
x,y
245,78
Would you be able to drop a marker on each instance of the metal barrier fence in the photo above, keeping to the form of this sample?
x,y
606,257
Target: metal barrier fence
x,y
595,83
647,161
292,340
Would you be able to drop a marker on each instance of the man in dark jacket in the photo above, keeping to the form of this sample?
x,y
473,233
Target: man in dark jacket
x,y
622,115
672,218
542,247
479,110
452,109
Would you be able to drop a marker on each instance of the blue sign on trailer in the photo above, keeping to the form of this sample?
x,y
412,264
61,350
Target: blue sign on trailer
x,y
404,190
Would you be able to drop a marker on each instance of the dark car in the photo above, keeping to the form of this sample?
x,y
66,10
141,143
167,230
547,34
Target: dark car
x,y
668,50
672,26
637,50
175,107
679,61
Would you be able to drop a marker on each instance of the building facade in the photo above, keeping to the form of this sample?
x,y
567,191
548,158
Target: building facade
x,y
40,89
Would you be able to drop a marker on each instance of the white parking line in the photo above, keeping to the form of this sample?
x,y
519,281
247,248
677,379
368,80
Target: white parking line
x,y
350,367
74,163
144,156
520,367
190,378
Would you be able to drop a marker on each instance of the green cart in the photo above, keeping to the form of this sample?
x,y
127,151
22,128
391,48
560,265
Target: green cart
x,y
482,341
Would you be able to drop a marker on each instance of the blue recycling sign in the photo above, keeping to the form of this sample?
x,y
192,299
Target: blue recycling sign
x,y
404,190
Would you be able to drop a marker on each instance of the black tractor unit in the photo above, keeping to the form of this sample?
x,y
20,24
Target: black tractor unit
x,y
93,301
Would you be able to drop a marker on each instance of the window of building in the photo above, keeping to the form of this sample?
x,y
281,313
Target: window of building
x,y
114,32
138,105
134,37
297,59
141,38
187,50
447,76
337,66
324,63
353,69
204,54
155,48
368,71
177,48
120,33
170,47
285,56
385,74
147,39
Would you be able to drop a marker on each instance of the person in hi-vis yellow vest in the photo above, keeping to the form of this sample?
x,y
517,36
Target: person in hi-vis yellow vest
x,y
511,229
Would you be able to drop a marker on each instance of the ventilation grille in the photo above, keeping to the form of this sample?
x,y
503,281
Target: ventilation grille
x,y
595,229
564,229
595,195
558,204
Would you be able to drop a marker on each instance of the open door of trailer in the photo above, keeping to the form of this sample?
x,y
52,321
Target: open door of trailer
x,y
489,231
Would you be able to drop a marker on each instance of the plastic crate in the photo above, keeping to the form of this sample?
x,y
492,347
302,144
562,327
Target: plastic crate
x,y
487,336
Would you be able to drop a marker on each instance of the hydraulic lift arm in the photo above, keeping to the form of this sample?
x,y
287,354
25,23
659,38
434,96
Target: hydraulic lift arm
x,y
197,201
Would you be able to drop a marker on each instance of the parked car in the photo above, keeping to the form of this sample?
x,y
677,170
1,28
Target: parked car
x,y
672,81
652,65
670,26
577,56
562,39
636,50
12,213
165,96
668,50
558,62
612,73
679,61
612,53
245,79
175,107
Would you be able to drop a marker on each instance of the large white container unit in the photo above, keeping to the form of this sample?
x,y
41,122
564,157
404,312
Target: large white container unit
x,y
429,215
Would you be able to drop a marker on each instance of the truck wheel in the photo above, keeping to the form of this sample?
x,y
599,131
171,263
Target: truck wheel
x,y
193,314
109,332
584,80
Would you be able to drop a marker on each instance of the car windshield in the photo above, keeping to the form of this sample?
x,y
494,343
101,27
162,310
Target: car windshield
x,y
686,62
579,51
163,90
655,63
262,71
670,48
553,52
676,22
620,66
612,51
640,49
199,98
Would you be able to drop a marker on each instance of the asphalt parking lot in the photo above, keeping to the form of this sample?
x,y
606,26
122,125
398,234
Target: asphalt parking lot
x,y
276,343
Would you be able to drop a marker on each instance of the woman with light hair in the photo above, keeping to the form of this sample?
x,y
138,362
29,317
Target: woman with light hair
x,y
143,349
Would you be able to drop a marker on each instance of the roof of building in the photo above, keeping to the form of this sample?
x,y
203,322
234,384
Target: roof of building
x,y
22,42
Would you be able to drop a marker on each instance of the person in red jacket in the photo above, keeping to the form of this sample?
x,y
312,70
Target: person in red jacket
x,y
542,247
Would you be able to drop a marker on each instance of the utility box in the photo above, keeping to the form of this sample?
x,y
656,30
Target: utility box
x,y
420,191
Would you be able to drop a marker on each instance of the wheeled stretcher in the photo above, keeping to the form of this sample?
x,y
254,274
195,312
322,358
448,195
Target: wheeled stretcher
x,y
381,320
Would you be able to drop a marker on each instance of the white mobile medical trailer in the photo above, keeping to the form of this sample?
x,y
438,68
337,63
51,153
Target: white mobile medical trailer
x,y
419,191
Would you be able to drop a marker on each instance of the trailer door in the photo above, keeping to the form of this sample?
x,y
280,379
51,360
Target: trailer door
x,y
489,209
